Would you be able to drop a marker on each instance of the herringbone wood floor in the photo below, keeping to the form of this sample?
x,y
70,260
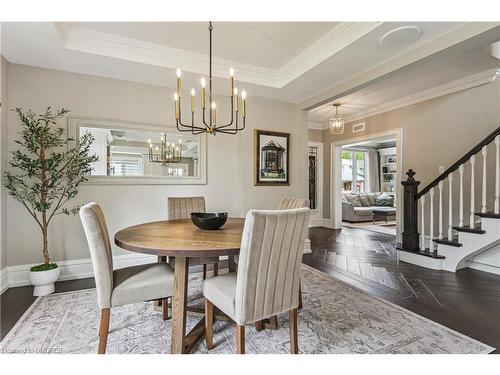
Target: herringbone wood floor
x,y
467,301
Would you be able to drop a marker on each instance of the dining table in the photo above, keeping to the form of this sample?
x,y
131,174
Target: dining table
x,y
182,240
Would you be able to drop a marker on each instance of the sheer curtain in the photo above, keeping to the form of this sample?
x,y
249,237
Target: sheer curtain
x,y
372,164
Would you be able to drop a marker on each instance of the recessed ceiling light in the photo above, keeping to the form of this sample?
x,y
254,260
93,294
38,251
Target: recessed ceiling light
x,y
401,36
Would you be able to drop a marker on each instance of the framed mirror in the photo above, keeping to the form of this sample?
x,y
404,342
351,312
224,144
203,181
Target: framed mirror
x,y
137,153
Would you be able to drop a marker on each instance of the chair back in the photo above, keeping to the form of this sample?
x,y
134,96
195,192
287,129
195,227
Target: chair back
x,y
182,207
97,235
290,203
269,263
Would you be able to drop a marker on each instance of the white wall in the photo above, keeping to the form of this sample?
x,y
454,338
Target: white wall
x,y
4,65
230,158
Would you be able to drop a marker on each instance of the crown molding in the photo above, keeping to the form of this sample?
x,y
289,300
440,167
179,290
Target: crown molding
x,y
317,125
469,82
338,38
83,39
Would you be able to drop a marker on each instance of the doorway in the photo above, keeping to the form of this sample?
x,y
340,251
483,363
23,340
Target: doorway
x,y
365,182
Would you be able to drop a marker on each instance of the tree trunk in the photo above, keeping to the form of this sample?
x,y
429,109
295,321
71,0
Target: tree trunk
x,y
45,235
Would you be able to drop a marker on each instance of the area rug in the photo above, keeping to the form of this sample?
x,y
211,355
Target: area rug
x,y
336,318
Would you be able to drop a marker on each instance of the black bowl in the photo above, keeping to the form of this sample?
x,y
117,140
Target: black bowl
x,y
208,221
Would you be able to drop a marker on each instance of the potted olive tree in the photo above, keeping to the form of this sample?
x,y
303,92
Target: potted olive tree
x,y
45,175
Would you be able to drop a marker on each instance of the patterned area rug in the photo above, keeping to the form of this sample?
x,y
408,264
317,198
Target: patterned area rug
x,y
336,318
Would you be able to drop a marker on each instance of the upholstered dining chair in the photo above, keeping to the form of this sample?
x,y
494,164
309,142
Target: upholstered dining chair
x,y
267,281
125,285
181,208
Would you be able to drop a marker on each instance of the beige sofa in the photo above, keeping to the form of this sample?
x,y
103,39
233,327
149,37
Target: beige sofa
x,y
358,207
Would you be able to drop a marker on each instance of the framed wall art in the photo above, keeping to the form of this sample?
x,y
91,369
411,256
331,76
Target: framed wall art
x,y
271,158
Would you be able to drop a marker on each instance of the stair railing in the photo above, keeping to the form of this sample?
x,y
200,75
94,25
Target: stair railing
x,y
411,239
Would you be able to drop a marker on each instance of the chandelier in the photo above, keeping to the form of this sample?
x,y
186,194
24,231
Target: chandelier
x,y
210,125
336,124
166,152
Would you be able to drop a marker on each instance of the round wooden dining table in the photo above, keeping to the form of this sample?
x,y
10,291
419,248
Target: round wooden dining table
x,y
183,240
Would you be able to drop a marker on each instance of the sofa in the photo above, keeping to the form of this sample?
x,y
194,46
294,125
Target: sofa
x,y
358,207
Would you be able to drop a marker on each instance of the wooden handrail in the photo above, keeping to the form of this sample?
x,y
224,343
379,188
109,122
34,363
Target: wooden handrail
x,y
477,148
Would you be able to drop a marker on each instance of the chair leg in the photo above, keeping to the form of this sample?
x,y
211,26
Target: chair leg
x,y
259,325
209,323
216,269
240,339
103,331
300,295
204,271
294,345
164,306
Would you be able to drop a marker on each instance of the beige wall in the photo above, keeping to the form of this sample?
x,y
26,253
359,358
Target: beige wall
x,y
315,135
435,133
4,68
230,158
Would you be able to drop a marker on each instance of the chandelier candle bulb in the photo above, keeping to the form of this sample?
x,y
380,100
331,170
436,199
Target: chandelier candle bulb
x,y
178,71
192,100
231,86
236,99
244,96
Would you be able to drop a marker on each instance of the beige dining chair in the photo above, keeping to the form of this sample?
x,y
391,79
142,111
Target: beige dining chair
x,y
181,208
285,204
267,281
125,285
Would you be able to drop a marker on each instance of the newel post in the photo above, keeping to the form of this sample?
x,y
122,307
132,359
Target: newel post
x,y
410,234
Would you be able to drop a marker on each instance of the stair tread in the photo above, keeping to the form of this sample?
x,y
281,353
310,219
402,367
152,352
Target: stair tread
x,y
489,215
446,242
468,229
427,253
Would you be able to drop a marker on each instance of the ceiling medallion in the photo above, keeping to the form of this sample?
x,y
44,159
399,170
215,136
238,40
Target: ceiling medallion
x,y
336,124
238,105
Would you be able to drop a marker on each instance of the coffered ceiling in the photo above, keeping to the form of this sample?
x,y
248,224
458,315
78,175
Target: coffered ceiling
x,y
308,63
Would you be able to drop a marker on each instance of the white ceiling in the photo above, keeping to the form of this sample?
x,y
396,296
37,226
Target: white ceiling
x,y
455,67
287,61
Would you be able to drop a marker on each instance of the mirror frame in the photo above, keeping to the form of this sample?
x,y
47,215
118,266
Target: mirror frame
x,y
75,122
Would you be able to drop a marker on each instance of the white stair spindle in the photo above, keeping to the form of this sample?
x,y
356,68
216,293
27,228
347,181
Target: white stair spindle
x,y
440,188
497,175
422,237
431,221
472,195
450,208
461,203
484,151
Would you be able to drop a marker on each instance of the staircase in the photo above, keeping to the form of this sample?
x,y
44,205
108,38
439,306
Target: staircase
x,y
425,241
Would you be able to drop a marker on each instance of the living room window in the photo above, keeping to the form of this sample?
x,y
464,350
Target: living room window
x,y
353,171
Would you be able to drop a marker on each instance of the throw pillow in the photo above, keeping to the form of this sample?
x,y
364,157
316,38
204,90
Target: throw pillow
x,y
363,198
384,200
353,199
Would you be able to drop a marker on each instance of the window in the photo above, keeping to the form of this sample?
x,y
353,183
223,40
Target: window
x,y
126,165
353,161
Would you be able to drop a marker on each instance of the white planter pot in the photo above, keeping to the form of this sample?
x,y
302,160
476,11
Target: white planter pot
x,y
44,281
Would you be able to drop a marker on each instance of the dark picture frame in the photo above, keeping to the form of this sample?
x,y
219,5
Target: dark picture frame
x,y
271,158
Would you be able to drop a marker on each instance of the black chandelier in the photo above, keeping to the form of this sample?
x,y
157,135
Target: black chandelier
x,y
238,105
166,152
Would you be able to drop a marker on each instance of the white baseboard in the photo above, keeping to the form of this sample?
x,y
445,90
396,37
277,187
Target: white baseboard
x,y
483,267
70,269
4,280
326,223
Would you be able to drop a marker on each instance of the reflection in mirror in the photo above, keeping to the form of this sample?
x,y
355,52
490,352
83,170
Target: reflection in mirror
x,y
127,153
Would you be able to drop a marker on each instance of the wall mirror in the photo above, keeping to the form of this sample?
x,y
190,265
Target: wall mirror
x,y
135,153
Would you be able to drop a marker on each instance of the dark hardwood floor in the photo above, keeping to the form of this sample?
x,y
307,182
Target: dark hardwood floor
x,y
467,301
